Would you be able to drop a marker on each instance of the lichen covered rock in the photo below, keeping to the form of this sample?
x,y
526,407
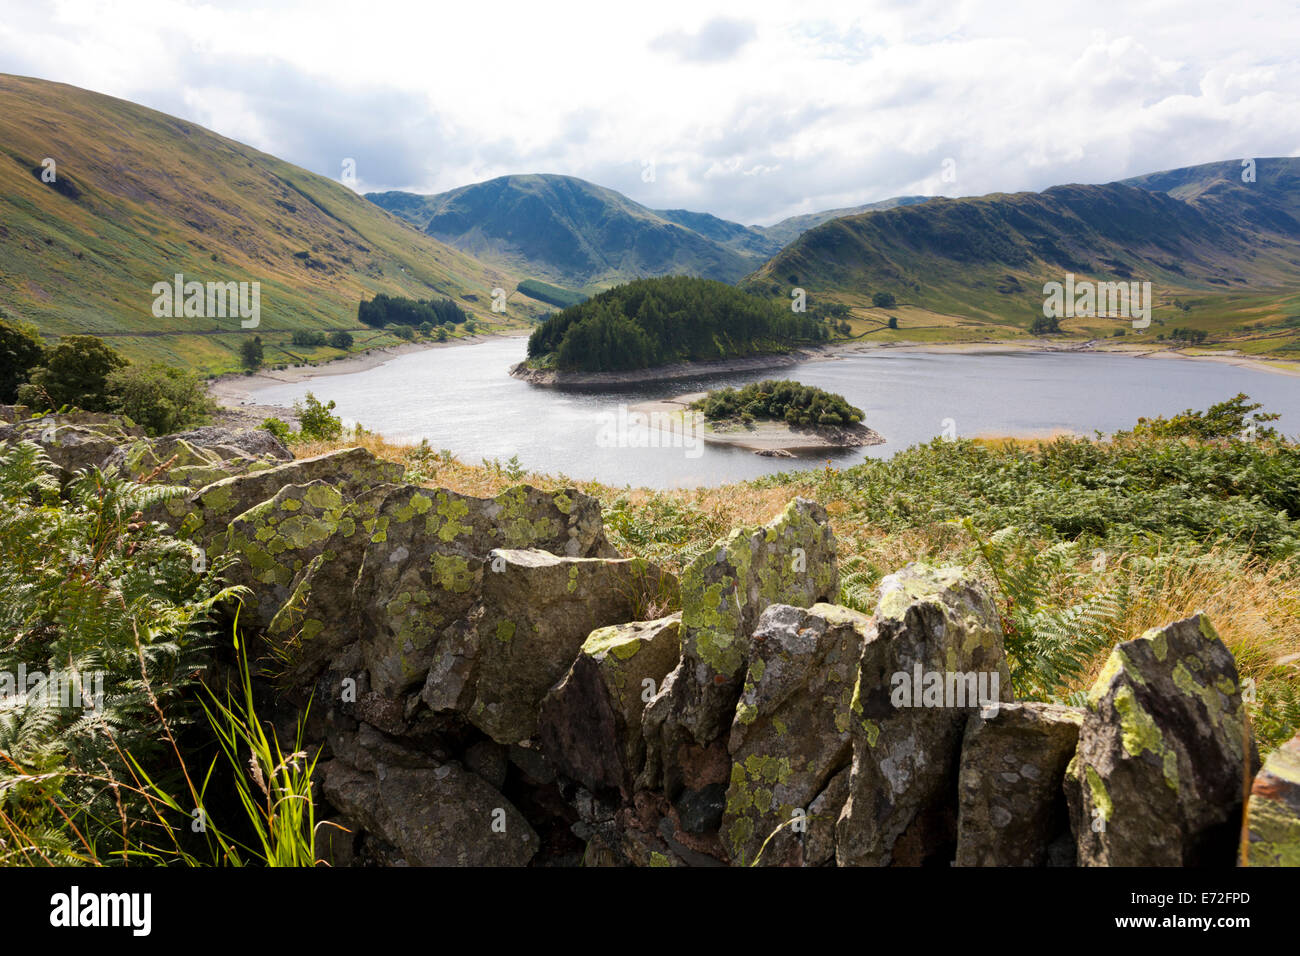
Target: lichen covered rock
x,y
791,560
590,722
433,815
1162,752
1011,801
539,609
790,733
1273,813
936,656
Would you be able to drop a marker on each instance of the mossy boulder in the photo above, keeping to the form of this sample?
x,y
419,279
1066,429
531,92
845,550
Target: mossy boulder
x,y
433,815
935,658
1162,753
790,733
424,562
204,515
539,610
76,440
1010,793
791,560
1273,813
590,722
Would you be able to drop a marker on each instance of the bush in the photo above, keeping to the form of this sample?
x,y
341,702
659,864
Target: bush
x,y
884,300
1045,325
340,340
159,398
21,350
315,421
251,353
306,338
404,332
75,373
893,321
279,428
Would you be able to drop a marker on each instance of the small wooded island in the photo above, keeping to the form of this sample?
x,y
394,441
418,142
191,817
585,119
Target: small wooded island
x,y
663,328
773,418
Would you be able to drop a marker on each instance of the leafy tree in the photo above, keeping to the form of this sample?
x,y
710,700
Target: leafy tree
x,y
893,321
160,398
316,421
308,338
75,372
21,350
884,300
1045,325
251,354
340,340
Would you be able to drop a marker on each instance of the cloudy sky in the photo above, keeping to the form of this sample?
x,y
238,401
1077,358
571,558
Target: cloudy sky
x,y
751,111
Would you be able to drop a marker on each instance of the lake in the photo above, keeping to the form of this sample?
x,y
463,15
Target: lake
x,y
461,398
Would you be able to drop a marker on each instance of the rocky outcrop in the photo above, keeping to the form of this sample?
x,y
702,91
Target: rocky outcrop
x,y
1273,811
1011,808
76,440
935,659
792,561
590,722
790,733
1157,780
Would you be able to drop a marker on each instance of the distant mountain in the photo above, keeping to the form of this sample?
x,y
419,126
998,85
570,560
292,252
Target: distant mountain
x,y
577,234
137,196
787,230
1221,254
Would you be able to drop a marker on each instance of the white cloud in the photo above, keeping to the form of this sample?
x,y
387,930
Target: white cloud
x,y
748,111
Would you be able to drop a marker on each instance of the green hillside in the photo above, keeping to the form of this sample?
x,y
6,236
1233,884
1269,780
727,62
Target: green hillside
x,y
1223,257
579,235
139,196
787,230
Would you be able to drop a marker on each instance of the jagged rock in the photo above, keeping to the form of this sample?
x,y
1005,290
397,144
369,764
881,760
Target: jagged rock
x,y
75,440
204,515
590,722
9,414
1273,813
489,760
791,560
433,816
823,814
538,610
1162,753
201,456
276,539
424,564
790,734
938,639
1011,802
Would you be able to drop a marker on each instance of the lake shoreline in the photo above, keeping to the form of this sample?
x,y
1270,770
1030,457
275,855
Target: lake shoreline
x,y
233,393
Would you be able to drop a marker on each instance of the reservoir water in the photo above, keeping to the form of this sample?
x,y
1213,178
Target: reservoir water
x,y
461,398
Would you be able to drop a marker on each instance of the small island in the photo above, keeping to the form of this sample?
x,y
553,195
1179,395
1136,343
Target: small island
x,y
779,419
663,328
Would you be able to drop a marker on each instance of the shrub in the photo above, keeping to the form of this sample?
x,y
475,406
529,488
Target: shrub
x,y
75,372
315,421
340,340
884,300
251,353
307,338
21,350
160,398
